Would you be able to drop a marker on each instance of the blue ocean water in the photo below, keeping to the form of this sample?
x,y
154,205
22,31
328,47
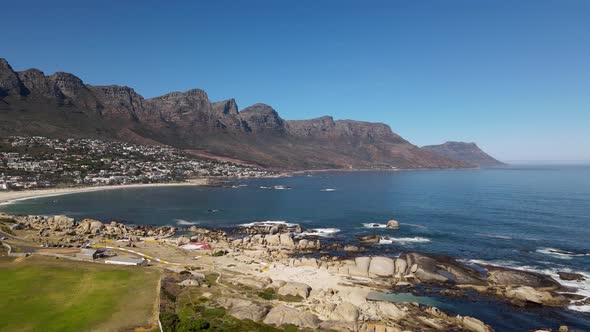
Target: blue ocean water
x,y
529,217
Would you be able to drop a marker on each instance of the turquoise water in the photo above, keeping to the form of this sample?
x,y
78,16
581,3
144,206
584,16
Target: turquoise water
x,y
531,217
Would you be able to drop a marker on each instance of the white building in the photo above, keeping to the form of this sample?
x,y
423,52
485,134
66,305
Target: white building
x,y
126,261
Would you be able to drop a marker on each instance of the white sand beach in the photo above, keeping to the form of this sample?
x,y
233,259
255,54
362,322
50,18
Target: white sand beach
x,y
7,197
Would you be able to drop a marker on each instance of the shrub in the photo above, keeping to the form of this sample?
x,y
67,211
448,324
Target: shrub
x,y
7,220
192,325
169,321
6,230
219,253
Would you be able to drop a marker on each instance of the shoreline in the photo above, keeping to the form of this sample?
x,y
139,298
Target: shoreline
x,y
9,197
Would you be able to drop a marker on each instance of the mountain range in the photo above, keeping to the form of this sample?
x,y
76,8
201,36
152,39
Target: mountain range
x,y
62,105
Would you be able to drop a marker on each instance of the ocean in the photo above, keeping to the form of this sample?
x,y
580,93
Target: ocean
x,y
529,217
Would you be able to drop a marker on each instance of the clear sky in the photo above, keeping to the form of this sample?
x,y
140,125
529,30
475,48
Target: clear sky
x,y
513,76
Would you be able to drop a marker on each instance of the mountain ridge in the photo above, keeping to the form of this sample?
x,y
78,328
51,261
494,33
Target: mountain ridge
x,y
61,104
466,152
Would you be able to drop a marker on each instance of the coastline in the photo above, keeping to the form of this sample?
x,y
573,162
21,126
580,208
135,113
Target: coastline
x,y
8,197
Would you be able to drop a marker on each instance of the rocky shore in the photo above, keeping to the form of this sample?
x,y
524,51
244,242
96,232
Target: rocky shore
x,y
332,289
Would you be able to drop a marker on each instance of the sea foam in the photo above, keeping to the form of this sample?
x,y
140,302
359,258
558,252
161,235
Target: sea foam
x,y
581,287
323,232
403,240
185,222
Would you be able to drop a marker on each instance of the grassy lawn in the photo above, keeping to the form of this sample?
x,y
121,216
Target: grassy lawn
x,y
45,294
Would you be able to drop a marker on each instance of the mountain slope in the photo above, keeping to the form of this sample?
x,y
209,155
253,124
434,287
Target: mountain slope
x,y
61,105
466,152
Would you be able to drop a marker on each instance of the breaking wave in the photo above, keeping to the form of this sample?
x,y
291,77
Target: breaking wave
x,y
268,223
323,232
562,254
185,222
403,240
581,287
374,225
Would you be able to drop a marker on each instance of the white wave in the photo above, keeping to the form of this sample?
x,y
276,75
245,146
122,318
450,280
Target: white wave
x,y
415,225
562,254
268,223
185,222
403,240
323,232
374,225
581,287
328,189
495,236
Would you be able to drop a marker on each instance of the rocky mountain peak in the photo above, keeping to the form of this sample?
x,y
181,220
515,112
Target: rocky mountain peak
x,y
261,118
10,84
226,107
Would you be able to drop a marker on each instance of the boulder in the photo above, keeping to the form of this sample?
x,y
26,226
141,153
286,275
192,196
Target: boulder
x,y
400,266
393,224
509,277
369,239
351,248
283,314
390,310
295,289
273,240
252,311
571,276
346,312
382,267
252,282
523,294
286,240
473,324
332,325
362,264
189,282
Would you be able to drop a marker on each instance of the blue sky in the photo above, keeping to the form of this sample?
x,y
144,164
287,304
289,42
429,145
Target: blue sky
x,y
513,76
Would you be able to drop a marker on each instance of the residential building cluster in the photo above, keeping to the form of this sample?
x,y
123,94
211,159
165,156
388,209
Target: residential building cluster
x,y
40,162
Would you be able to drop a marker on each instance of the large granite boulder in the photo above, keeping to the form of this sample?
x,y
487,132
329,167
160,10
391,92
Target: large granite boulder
x,y
523,294
362,264
346,312
283,314
251,310
509,277
369,239
295,289
394,224
381,267
286,240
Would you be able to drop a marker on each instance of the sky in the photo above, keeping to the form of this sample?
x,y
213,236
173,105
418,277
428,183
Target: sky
x,y
512,76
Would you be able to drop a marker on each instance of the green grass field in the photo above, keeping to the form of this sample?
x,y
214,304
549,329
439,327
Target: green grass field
x,y
45,294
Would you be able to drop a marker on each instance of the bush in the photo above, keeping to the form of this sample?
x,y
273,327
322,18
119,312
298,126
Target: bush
x,y
268,294
169,321
7,220
192,325
6,230
219,253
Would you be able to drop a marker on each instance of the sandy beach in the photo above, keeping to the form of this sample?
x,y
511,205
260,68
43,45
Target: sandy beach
x,y
7,197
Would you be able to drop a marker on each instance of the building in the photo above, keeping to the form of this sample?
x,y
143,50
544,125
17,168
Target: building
x,y
126,261
91,254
